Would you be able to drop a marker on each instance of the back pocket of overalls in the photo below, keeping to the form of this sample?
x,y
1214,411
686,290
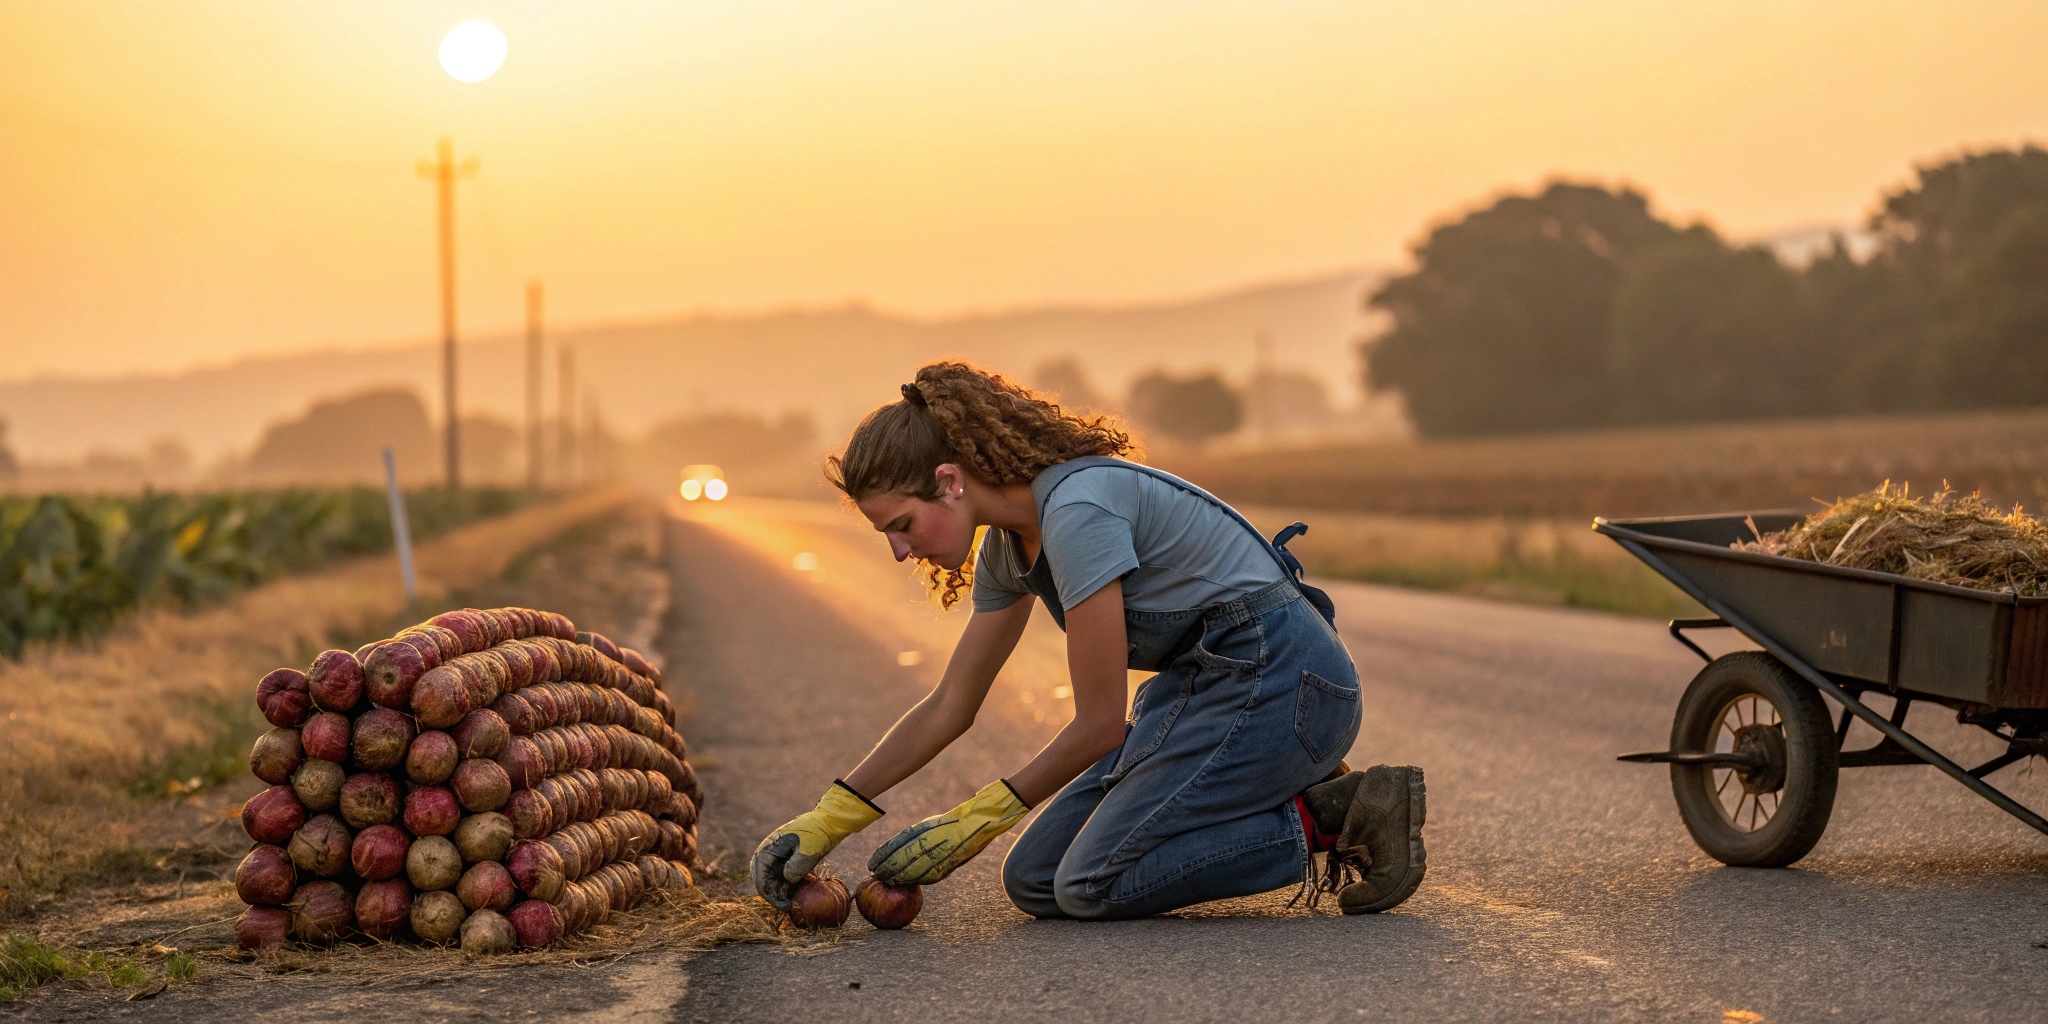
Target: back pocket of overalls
x,y
1325,716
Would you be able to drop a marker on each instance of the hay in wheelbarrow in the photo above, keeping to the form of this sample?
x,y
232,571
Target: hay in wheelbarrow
x,y
1942,538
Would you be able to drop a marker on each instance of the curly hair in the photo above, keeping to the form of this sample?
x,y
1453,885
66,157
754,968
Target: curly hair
x,y
982,422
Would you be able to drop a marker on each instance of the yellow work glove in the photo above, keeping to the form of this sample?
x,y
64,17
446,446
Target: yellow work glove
x,y
790,852
929,850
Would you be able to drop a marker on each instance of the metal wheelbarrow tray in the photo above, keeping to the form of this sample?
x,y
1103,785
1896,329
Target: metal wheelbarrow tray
x,y
1753,754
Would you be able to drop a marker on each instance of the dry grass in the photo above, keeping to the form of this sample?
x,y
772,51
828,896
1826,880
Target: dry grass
x,y
687,919
1943,538
1645,472
716,914
1541,561
80,724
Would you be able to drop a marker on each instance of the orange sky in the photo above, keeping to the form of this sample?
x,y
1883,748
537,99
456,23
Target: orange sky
x,y
186,182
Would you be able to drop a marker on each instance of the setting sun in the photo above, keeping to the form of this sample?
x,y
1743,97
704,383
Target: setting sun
x,y
473,51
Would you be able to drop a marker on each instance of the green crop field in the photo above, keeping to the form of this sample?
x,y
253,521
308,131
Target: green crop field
x,y
72,566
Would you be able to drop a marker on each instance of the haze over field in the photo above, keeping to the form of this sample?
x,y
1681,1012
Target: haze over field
x,y
833,363
184,184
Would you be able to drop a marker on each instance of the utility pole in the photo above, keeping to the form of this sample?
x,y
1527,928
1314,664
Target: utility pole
x,y
565,415
533,369
594,468
443,172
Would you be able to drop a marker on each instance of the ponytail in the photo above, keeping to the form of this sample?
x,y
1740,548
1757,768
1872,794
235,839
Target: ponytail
x,y
992,428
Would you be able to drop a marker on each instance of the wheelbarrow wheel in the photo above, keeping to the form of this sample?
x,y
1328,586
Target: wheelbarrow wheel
x,y
1769,807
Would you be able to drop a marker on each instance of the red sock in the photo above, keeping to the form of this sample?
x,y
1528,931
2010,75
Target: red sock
x,y
1319,841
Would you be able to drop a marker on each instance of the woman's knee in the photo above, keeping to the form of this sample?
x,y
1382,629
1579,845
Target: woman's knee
x,y
1076,901
1029,885
1081,897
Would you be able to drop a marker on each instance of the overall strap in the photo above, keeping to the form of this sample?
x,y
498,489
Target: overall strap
x,y
1290,566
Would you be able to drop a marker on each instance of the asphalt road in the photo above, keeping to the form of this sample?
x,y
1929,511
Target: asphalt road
x,y
1561,886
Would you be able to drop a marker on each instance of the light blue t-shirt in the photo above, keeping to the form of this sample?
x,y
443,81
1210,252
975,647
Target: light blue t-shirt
x,y
1174,549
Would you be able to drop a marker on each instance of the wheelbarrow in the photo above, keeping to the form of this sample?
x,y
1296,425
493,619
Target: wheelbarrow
x,y
1755,752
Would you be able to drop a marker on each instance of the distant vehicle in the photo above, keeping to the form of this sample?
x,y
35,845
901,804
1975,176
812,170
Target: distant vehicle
x,y
703,481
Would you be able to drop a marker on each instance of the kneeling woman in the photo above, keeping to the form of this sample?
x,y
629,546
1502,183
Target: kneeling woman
x,y
1225,779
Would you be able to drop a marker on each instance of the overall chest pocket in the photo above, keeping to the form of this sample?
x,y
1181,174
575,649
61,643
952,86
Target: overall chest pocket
x,y
1325,716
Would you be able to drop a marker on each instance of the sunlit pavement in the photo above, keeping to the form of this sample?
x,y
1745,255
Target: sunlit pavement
x,y
1561,884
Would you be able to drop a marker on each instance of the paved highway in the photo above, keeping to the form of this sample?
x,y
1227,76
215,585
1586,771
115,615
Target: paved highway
x,y
1562,885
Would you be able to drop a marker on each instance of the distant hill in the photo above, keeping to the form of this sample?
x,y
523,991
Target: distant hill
x,y
833,363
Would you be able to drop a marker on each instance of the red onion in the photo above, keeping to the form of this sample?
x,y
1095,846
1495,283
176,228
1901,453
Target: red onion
x,y
379,852
273,815
263,927
322,912
266,876
283,698
819,903
383,908
431,811
888,906
336,681
431,759
325,736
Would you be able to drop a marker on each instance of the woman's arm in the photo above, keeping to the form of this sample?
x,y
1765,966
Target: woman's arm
x,y
947,712
1097,660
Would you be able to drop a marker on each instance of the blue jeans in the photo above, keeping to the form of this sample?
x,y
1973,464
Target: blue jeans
x,y
1198,803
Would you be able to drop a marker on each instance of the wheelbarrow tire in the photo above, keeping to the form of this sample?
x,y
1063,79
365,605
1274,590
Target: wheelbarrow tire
x,y
1811,762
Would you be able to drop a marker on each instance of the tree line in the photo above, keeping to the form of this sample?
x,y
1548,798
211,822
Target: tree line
x,y
1579,307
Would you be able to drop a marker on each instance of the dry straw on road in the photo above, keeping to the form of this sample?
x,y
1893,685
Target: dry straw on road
x,y
680,919
1943,538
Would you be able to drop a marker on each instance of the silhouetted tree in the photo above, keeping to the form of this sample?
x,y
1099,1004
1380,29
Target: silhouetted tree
x,y
342,440
1186,409
1968,246
1505,323
1702,331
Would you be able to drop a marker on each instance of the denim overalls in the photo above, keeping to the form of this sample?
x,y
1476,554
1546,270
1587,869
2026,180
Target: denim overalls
x,y
1256,700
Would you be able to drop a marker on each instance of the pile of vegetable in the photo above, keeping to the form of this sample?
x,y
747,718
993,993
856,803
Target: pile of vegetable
x,y
488,777
1943,538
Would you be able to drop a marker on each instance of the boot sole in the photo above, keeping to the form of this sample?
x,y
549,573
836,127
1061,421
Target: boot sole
x,y
1418,813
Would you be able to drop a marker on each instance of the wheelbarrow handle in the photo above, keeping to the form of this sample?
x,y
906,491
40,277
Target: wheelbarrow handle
x,y
1712,622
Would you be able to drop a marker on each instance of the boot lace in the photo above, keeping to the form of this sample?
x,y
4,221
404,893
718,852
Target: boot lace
x,y
1338,871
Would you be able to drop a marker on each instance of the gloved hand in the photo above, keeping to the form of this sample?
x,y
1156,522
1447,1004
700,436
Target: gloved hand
x,y
929,850
790,852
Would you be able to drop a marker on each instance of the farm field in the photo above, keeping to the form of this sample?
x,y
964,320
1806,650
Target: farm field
x,y
1648,471
1553,561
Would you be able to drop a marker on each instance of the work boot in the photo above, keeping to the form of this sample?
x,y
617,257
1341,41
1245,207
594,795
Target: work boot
x,y
1329,801
1382,837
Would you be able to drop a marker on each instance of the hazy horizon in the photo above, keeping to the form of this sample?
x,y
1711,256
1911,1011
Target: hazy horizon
x,y
555,330
834,363
189,185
